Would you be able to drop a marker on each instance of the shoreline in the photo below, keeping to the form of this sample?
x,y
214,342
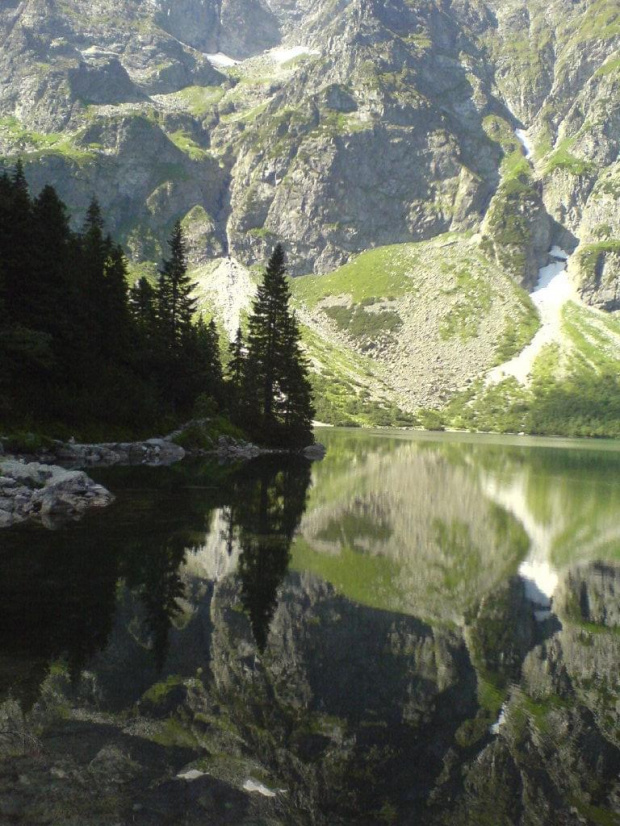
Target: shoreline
x,y
52,488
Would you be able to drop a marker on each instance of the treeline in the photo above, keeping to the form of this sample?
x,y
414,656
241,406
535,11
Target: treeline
x,y
77,346
82,351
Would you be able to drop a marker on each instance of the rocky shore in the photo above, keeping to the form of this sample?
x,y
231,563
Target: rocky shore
x,y
48,487
47,494
228,449
72,454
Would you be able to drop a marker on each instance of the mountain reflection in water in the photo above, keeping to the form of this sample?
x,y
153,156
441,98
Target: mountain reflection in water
x,y
364,646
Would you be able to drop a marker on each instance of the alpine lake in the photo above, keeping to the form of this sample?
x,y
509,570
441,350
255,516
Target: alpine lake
x,y
419,629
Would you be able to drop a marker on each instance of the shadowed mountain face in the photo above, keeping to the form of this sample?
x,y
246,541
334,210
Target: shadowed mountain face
x,y
345,126
359,642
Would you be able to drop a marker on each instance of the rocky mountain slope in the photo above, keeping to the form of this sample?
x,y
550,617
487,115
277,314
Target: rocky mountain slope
x,y
338,128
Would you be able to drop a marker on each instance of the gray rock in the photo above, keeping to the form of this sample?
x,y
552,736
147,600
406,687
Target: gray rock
x,y
150,452
229,449
47,493
315,452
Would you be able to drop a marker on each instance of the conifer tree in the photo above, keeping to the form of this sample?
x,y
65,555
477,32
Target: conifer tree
x,y
176,335
236,373
296,405
94,251
206,362
143,309
116,318
175,306
76,346
276,389
55,295
6,194
15,254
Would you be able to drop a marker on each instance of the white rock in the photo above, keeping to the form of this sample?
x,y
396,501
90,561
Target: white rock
x,y
190,774
251,785
47,493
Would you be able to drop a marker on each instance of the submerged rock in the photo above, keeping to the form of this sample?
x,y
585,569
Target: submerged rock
x,y
46,493
315,452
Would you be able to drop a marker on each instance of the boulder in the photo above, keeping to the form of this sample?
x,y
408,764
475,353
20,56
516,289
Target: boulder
x,y
46,493
315,452
229,449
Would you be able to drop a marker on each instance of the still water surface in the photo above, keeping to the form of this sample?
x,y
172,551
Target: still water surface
x,y
421,629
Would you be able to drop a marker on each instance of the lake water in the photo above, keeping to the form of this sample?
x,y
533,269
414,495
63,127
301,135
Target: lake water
x,y
421,629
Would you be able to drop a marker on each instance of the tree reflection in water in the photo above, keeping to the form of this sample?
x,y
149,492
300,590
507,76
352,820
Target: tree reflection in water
x,y
272,497
58,600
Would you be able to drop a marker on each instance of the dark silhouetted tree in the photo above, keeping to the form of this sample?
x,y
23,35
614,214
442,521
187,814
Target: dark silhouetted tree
x,y
175,304
236,374
276,392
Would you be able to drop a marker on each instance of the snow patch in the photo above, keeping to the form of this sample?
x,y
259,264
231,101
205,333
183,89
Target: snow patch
x,y
526,143
494,729
254,786
97,50
190,774
540,579
551,293
221,60
556,252
282,55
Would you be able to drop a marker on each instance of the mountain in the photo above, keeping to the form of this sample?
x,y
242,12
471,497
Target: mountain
x,y
338,128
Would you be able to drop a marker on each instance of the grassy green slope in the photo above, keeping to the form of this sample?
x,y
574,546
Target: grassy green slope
x,y
575,387
414,322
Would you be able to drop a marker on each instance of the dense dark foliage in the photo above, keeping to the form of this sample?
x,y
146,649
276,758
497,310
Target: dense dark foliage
x,y
81,351
78,349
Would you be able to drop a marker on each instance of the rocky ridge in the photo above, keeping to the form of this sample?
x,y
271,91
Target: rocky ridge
x,y
336,128
380,124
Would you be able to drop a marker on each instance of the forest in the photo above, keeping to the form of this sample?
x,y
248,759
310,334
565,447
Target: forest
x,y
85,353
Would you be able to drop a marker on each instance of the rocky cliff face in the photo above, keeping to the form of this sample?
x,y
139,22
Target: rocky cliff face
x,y
366,124
557,69
557,739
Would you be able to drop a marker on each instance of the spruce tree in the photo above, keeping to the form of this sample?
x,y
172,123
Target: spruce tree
x,y
94,251
236,373
143,309
265,339
277,389
296,405
175,306
176,344
16,255
55,298
205,361
116,318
